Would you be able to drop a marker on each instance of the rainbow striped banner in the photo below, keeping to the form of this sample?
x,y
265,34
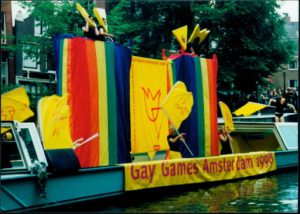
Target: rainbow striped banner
x,y
93,75
200,77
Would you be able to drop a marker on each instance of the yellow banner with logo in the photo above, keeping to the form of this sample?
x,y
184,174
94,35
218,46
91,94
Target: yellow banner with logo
x,y
149,84
15,105
53,116
143,175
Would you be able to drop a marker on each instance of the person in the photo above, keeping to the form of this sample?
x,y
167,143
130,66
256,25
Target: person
x,y
193,47
280,104
89,32
102,33
225,139
174,143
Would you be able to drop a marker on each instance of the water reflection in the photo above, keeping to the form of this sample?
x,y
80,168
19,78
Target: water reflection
x,y
275,193
271,194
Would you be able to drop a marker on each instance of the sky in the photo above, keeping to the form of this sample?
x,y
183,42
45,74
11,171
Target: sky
x,y
291,7
287,6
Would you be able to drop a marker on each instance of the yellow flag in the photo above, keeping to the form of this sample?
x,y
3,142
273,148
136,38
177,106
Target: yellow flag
x,y
178,104
249,108
196,33
53,116
203,34
227,116
181,35
85,15
15,105
99,18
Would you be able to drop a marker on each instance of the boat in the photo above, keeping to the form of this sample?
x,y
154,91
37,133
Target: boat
x,y
36,174
36,179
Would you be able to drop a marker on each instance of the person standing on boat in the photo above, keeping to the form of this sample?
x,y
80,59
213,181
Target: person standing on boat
x,y
174,143
91,32
280,104
225,139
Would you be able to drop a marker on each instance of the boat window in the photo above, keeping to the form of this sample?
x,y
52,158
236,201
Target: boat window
x,y
11,155
25,135
31,140
289,134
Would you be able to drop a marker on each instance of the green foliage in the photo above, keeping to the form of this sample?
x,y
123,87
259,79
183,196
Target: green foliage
x,y
249,35
251,42
148,24
56,17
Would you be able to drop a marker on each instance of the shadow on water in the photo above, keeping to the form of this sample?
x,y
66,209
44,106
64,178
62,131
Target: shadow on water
x,y
275,193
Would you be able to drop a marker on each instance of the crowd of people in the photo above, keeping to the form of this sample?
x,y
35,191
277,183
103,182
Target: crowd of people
x,y
290,93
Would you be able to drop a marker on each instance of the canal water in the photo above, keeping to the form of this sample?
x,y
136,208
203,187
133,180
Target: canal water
x,y
274,193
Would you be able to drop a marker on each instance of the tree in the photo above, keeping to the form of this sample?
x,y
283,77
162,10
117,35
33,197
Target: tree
x,y
249,36
147,26
251,42
56,17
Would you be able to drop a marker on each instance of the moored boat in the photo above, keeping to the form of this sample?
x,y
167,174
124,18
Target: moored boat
x,y
34,179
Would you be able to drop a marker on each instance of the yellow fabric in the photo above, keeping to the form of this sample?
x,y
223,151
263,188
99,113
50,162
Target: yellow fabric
x,y
99,18
206,106
103,111
65,66
178,104
85,15
54,113
181,35
249,108
152,174
196,33
203,34
227,116
148,85
15,106
175,155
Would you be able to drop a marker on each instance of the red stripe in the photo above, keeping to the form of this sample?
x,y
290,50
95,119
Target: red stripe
x,y
213,107
79,98
215,73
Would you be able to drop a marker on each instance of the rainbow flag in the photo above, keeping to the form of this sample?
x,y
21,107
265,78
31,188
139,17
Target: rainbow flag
x,y
200,77
93,75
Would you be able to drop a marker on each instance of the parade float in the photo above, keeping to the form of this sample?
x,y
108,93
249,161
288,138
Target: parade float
x,y
105,131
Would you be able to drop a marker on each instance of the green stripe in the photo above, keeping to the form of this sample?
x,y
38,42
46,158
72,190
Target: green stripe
x,y
200,108
61,64
111,103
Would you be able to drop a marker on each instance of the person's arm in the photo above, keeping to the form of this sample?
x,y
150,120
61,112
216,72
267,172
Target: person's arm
x,y
271,100
223,137
86,27
105,34
292,107
173,140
